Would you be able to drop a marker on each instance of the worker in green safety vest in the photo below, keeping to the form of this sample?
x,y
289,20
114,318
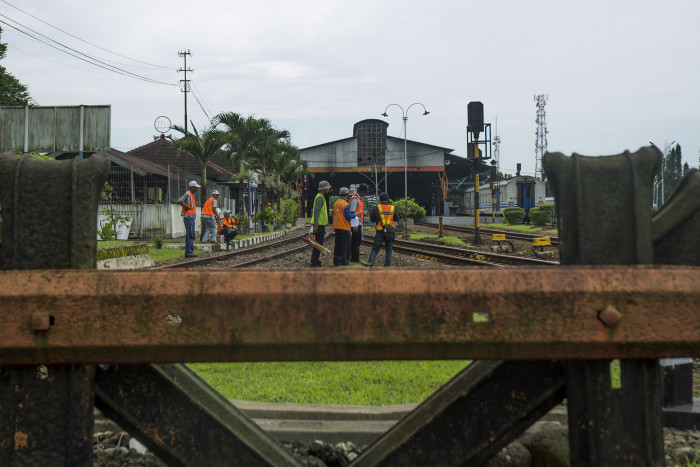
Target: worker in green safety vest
x,y
319,220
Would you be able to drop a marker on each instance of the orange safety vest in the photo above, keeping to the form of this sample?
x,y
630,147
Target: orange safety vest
x,y
209,208
224,223
386,215
192,211
339,220
360,207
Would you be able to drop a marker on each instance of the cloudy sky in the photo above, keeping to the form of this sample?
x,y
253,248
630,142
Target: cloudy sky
x,y
618,74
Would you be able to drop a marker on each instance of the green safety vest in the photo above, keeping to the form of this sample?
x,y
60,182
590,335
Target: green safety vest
x,y
323,215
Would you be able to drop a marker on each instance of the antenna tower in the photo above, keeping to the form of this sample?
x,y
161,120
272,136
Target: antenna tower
x,y
541,133
186,82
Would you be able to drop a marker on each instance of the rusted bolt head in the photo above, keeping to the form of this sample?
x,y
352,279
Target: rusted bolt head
x,y
40,321
609,316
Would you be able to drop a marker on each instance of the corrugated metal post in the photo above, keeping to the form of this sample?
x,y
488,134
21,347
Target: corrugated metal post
x,y
46,413
596,197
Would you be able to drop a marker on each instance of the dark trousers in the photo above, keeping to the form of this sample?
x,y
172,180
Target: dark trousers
x,y
342,246
355,245
315,254
229,234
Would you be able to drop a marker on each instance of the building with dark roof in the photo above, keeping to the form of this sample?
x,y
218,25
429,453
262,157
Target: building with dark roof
x,y
371,156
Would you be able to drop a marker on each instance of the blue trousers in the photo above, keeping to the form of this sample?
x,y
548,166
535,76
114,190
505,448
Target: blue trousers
x,y
378,240
189,236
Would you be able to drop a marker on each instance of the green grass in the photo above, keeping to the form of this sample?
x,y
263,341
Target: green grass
x,y
165,254
524,228
449,241
348,383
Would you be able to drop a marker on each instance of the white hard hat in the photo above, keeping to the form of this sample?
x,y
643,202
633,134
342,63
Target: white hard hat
x,y
195,184
215,192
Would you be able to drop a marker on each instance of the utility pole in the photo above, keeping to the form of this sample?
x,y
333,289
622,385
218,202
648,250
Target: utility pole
x,y
185,90
185,86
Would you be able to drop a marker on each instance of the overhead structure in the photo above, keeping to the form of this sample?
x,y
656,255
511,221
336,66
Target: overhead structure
x,y
541,133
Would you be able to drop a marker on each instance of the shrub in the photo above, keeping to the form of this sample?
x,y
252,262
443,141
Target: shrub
x,y
540,217
514,215
415,211
158,242
549,207
290,211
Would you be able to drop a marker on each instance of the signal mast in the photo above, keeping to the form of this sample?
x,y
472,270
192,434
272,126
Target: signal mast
x,y
541,133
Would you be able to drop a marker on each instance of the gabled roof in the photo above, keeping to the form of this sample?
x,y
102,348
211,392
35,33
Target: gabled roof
x,y
163,152
146,166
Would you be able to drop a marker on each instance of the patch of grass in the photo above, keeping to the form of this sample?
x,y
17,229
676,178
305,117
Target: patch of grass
x,y
452,241
166,254
351,383
548,229
449,241
420,236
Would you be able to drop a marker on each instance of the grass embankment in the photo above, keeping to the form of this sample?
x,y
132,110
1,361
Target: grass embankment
x,y
351,383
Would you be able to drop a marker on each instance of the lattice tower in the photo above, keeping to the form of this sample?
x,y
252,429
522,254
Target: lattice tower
x,y
541,133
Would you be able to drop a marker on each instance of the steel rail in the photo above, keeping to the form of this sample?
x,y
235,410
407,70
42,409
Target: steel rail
x,y
224,256
449,252
509,234
563,312
401,246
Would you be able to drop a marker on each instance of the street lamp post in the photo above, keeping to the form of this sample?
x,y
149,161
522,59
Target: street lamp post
x,y
404,115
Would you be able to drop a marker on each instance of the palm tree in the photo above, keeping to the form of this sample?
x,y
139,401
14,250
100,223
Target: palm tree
x,y
259,143
201,146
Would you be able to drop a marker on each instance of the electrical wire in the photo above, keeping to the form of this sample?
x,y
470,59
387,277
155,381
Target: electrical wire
x,y
201,95
83,40
201,106
107,66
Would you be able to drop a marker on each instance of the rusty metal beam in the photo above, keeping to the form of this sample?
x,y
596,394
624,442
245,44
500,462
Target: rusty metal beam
x,y
182,419
474,415
571,312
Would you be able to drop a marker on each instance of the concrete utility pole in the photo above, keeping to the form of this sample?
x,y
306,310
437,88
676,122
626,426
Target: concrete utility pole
x,y
185,86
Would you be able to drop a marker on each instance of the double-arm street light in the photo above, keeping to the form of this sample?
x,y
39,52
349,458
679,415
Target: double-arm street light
x,y
404,114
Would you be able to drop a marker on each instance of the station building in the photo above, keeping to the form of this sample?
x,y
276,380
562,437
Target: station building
x,y
371,156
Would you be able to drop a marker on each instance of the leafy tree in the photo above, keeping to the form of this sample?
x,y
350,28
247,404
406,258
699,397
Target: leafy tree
x,y
686,167
12,91
672,170
201,146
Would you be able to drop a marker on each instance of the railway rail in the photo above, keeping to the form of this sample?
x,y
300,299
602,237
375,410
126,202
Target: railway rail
x,y
264,247
509,234
462,256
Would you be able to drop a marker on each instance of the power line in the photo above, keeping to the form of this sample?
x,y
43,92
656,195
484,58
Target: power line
x,y
201,95
107,66
83,40
200,105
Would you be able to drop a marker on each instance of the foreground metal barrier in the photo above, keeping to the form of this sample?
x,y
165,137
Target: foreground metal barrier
x,y
534,330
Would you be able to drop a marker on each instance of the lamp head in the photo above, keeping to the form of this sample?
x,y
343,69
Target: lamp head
x,y
385,114
426,112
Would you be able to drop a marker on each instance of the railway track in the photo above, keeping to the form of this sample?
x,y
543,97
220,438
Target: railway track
x,y
461,256
510,235
266,247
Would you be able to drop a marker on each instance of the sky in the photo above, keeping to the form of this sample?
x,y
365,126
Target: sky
x,y
617,74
